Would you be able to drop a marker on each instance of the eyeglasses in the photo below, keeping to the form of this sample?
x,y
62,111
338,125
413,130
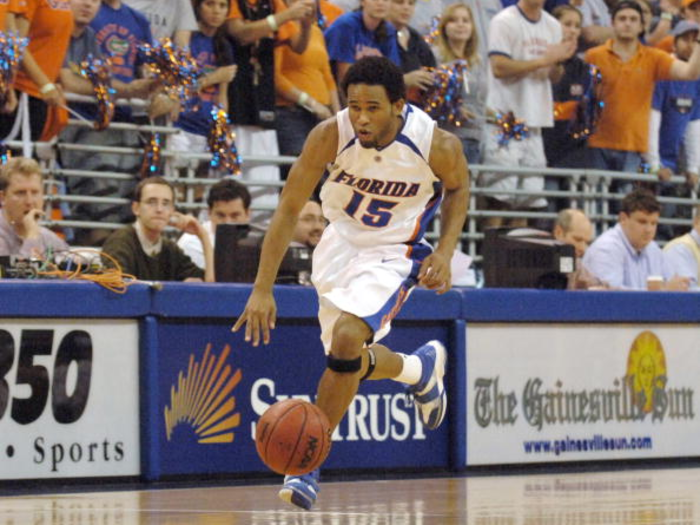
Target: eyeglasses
x,y
155,203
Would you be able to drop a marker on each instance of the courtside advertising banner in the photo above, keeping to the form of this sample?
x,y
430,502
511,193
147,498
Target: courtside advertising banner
x,y
213,387
573,392
69,398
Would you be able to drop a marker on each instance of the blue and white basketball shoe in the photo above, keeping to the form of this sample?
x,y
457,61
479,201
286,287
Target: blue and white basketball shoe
x,y
301,490
429,393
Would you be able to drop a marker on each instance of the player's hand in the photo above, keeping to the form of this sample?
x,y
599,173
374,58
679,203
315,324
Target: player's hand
x,y
30,221
691,179
259,316
435,273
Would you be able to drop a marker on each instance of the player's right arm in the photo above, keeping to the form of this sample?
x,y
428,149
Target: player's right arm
x,y
319,150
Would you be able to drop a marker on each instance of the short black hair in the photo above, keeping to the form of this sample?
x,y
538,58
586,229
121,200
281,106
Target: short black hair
x,y
626,4
640,199
138,192
377,71
228,190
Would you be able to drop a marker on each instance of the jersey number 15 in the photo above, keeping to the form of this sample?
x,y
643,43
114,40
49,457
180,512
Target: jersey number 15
x,y
377,212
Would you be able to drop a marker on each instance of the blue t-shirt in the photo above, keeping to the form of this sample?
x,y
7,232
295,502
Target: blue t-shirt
x,y
119,33
348,40
678,101
199,121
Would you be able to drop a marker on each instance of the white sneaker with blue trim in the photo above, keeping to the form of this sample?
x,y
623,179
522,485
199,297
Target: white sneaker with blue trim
x,y
301,491
429,393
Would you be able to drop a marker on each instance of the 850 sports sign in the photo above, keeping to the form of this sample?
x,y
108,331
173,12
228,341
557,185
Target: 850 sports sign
x,y
68,398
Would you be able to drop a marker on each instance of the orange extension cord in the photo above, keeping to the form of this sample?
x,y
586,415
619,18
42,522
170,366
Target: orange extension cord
x,y
111,278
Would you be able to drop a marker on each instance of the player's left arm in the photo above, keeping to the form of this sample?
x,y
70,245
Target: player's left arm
x,y
449,164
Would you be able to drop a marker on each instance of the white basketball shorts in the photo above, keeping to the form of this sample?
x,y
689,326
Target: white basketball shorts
x,y
370,282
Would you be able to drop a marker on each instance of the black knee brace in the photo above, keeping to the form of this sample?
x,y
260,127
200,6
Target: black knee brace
x,y
344,366
372,364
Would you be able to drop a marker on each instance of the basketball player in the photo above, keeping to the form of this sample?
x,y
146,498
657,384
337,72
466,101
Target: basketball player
x,y
389,167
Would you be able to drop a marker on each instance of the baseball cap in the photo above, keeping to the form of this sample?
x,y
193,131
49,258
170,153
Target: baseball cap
x,y
626,4
683,27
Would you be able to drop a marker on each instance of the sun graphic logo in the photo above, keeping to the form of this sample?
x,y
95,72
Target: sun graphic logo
x,y
203,400
646,370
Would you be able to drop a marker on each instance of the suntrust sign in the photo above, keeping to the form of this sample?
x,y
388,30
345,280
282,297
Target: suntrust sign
x,y
566,392
213,388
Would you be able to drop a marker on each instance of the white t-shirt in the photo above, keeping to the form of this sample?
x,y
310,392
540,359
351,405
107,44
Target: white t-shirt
x,y
513,35
166,16
192,246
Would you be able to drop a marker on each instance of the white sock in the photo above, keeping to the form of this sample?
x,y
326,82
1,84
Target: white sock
x,y
412,369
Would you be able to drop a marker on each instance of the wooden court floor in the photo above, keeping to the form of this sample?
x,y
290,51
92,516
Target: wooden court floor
x,y
637,497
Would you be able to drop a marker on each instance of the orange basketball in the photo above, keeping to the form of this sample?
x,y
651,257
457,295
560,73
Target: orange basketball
x,y
293,437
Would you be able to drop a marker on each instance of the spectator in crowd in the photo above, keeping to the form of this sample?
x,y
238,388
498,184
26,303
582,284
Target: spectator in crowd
x,y
629,71
627,255
656,29
525,48
306,92
174,19
48,27
83,44
561,147
362,33
675,121
256,28
414,53
483,10
683,254
689,10
22,201
142,250
228,203
310,225
563,150
120,31
457,39
115,30
573,227
211,49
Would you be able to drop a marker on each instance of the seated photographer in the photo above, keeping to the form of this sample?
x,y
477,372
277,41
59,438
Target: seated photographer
x,y
22,200
229,203
143,251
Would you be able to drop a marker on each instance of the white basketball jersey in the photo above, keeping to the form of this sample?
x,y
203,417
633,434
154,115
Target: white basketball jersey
x,y
386,195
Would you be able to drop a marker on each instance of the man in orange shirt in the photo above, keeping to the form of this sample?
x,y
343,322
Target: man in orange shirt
x,y
629,72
